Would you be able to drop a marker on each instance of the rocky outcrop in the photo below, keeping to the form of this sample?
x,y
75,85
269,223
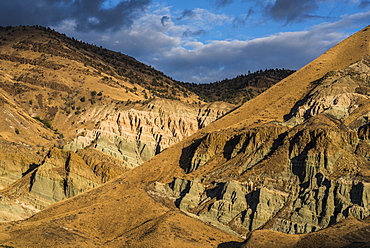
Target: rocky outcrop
x,y
60,175
140,132
252,172
241,206
338,93
16,160
325,204
57,92
289,177
298,182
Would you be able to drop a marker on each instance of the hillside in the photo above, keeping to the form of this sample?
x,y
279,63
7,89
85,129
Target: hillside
x,y
74,115
287,168
47,49
56,79
239,89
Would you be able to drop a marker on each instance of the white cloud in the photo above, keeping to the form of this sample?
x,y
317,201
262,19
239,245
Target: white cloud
x,y
220,59
190,59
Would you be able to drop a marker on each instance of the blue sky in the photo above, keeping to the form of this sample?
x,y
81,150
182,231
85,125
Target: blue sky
x,y
200,41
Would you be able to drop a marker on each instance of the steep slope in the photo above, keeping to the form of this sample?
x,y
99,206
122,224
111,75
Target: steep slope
x,y
56,91
60,175
278,101
44,57
21,139
55,78
16,125
126,138
294,160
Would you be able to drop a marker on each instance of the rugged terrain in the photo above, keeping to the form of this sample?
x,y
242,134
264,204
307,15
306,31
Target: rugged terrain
x,y
289,168
63,93
74,116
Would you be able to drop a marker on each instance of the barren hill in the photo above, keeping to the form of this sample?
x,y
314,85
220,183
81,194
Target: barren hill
x,y
288,168
74,116
55,78
107,111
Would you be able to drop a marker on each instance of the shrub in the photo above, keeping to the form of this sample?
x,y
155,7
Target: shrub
x,y
46,122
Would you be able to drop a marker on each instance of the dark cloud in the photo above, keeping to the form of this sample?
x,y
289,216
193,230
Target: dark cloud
x,y
25,12
250,12
291,10
186,13
164,20
223,3
189,33
241,20
88,14
364,4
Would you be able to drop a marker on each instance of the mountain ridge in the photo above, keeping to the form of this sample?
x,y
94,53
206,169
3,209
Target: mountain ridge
x,y
336,63
241,88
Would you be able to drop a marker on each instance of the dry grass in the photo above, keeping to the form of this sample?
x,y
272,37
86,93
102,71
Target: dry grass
x,y
121,213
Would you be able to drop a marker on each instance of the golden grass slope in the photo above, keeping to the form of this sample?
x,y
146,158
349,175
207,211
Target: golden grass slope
x,y
54,89
54,77
277,101
122,214
16,125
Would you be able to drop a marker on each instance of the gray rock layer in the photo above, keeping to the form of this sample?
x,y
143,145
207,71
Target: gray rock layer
x,y
137,134
298,176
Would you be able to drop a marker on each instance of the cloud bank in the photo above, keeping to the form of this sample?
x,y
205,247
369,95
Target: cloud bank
x,y
290,10
88,14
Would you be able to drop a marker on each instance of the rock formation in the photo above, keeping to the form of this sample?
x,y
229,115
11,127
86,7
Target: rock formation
x,y
59,176
295,176
288,168
138,133
59,92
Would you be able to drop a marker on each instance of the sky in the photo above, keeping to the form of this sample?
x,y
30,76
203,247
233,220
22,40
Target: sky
x,y
200,41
